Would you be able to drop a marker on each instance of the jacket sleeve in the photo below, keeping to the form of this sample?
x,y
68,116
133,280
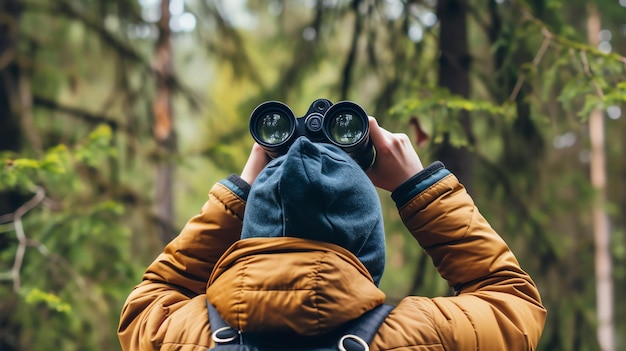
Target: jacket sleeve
x,y
496,304
182,270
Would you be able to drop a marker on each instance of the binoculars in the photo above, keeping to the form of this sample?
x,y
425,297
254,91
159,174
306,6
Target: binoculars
x,y
274,127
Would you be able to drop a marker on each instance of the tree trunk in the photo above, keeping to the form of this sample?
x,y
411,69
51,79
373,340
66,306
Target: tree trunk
x,y
164,128
10,140
9,76
10,99
601,227
454,63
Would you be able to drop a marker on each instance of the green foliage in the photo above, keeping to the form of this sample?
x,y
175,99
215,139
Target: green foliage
x,y
442,110
25,173
64,287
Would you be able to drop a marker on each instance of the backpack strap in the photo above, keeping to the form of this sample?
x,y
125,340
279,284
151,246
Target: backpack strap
x,y
360,332
356,335
222,333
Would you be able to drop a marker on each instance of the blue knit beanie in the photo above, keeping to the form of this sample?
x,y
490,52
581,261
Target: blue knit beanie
x,y
318,192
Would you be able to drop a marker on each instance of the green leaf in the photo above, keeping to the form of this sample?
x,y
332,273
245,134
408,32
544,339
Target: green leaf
x,y
26,163
52,301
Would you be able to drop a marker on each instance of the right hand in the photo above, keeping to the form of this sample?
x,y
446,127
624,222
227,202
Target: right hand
x,y
396,159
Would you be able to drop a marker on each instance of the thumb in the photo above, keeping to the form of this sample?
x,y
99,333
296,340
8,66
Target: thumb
x,y
378,134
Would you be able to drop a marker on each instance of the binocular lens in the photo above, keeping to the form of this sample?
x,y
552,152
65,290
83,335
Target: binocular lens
x,y
274,128
346,128
345,124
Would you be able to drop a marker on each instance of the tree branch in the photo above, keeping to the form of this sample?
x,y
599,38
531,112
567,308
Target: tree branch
x,y
23,241
542,50
89,117
68,9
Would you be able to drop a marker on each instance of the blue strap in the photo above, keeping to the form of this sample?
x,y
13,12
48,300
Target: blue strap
x,y
222,333
357,334
365,327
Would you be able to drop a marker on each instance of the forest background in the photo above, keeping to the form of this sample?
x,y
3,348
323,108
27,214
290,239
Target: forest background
x,y
117,116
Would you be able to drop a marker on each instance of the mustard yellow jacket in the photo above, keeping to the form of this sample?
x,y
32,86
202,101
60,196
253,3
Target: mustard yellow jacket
x,y
290,284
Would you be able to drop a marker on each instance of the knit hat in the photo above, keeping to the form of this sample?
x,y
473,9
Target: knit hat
x,y
317,191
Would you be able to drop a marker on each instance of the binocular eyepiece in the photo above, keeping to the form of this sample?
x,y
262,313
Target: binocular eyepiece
x,y
274,126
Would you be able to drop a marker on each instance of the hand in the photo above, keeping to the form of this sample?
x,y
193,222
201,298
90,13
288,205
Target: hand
x,y
257,160
396,159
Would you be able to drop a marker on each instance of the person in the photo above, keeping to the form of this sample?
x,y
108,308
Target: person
x,y
296,246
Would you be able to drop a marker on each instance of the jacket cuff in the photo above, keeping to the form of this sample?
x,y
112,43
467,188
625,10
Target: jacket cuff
x,y
418,183
237,185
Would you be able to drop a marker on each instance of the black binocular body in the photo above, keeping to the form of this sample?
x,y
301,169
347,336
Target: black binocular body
x,y
275,127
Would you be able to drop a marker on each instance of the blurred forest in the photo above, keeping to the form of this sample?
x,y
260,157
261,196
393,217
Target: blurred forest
x,y
117,116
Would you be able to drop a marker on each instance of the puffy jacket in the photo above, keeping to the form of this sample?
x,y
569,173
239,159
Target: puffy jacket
x,y
309,287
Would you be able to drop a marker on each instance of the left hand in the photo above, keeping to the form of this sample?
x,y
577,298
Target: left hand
x,y
257,160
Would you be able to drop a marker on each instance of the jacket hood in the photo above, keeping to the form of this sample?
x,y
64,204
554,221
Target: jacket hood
x,y
317,191
290,285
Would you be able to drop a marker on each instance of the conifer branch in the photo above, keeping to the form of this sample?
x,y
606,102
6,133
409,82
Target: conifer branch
x,y
89,117
550,37
124,49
